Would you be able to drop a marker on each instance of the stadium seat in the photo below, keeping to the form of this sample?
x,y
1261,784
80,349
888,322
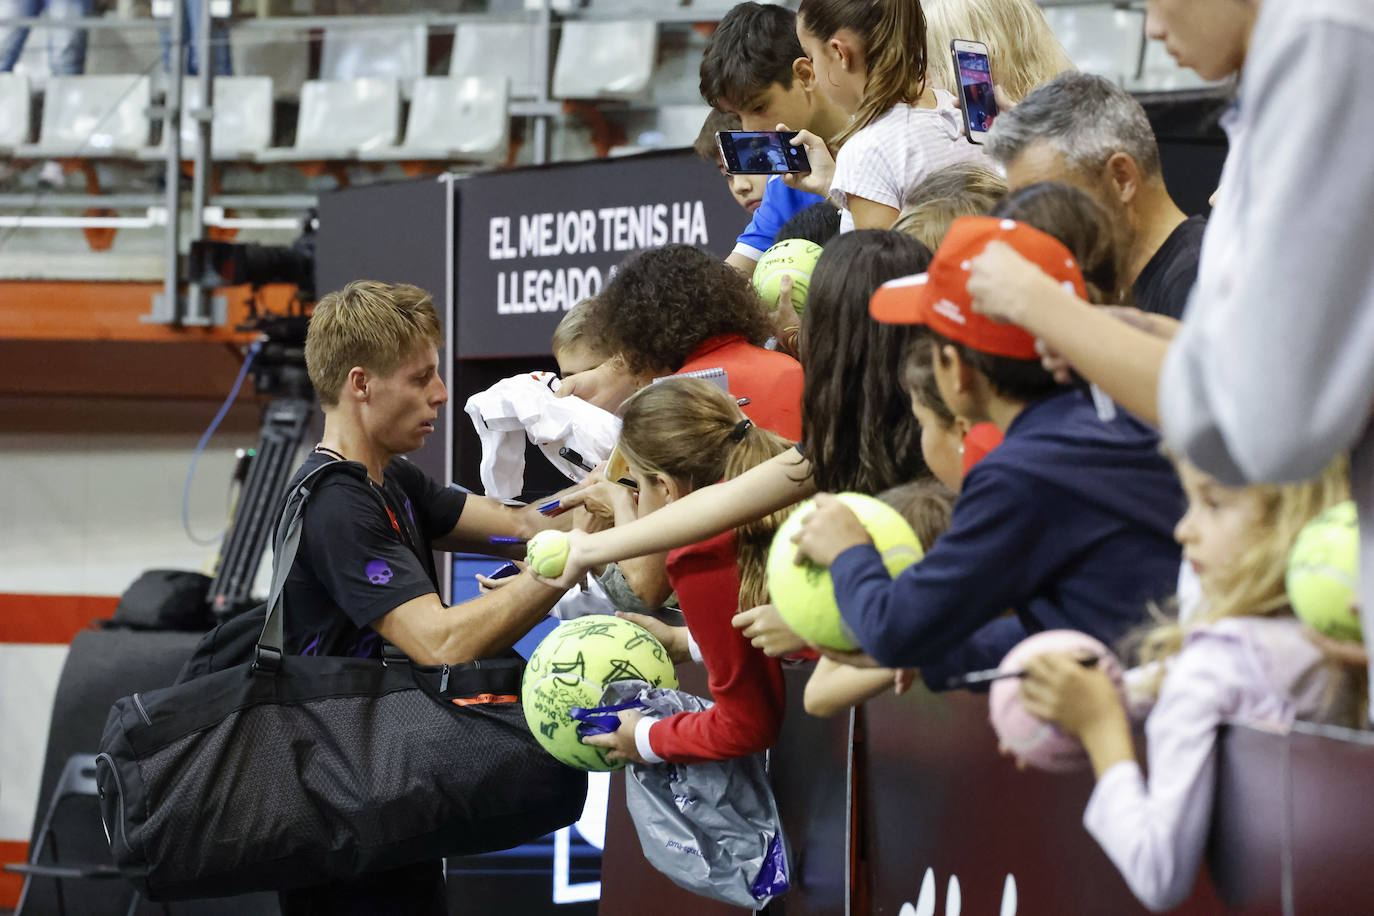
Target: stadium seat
x,y
1100,39
605,59
15,106
133,49
454,118
242,125
280,54
93,117
339,119
390,53
494,49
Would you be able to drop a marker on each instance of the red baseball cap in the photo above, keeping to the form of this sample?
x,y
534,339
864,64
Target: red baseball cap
x,y
939,297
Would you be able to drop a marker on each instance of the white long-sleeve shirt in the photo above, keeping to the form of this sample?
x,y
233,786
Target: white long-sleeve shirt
x,y
1272,374
1254,670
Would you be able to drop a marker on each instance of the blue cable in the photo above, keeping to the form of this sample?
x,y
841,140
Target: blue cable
x,y
200,448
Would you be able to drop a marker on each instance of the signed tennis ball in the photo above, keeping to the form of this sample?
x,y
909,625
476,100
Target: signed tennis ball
x,y
572,667
795,258
1036,742
547,553
804,595
1323,573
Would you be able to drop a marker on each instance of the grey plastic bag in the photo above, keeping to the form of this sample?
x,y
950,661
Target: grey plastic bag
x,y
713,828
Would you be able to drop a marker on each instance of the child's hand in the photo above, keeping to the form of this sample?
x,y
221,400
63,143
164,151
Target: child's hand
x,y
1057,688
1340,651
621,741
816,181
828,531
902,679
763,626
574,568
674,639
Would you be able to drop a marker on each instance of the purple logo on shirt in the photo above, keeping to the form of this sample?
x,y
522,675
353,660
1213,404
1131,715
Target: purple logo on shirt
x,y
377,572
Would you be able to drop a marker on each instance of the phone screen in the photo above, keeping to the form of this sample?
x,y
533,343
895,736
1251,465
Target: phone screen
x,y
975,84
761,152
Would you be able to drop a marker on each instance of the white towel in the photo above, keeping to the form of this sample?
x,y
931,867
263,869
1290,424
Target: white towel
x,y
524,407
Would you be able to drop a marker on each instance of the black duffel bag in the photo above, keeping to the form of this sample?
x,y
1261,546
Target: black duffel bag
x,y
293,771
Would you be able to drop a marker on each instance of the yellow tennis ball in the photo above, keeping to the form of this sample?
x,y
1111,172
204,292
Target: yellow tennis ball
x,y
573,666
547,553
1324,573
804,595
795,258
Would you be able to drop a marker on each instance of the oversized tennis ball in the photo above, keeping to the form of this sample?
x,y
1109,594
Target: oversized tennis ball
x,y
1324,573
795,258
804,595
572,666
1038,743
547,553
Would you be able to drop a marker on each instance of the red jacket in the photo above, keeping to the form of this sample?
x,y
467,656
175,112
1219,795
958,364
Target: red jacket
x,y
745,684
771,381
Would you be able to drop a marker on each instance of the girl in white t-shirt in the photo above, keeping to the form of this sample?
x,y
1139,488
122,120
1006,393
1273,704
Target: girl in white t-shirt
x,y
870,60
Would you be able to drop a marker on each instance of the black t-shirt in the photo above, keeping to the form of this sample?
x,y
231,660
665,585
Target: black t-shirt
x,y
1163,286
358,561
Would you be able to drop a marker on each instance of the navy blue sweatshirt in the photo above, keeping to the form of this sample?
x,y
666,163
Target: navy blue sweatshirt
x,y
1069,522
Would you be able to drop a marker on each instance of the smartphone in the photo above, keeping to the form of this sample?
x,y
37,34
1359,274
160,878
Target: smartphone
x,y
975,87
761,152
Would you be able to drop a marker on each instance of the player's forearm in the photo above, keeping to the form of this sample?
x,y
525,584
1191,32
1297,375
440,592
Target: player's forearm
x,y
492,623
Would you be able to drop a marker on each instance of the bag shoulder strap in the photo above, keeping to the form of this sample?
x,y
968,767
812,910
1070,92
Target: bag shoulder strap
x,y
268,653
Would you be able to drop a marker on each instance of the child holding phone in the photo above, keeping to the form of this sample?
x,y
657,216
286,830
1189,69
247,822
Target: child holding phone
x,y
870,60
1243,656
680,435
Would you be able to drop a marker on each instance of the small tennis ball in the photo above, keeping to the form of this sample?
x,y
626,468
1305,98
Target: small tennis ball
x,y
795,258
547,553
804,595
573,666
1324,573
1036,742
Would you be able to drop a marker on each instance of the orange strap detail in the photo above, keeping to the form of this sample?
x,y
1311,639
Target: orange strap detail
x,y
484,698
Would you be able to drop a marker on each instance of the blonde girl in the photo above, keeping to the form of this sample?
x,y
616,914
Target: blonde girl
x,y
1023,51
1241,656
681,435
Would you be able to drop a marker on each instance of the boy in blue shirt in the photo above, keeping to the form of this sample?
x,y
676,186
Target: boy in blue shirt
x,y
754,67
1068,522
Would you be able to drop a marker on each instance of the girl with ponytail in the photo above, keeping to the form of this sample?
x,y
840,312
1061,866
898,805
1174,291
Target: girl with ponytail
x,y
870,60
680,435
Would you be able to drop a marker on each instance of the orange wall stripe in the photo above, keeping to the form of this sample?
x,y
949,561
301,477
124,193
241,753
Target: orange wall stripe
x,y
11,852
50,618
75,310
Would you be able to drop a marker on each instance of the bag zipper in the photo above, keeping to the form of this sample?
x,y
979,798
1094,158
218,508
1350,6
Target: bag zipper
x,y
138,704
443,679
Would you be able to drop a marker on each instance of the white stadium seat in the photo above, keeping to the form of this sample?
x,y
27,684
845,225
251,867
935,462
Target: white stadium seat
x,y
454,118
340,119
605,59
93,117
495,49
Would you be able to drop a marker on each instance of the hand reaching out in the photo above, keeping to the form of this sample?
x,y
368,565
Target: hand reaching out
x,y
763,626
674,639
